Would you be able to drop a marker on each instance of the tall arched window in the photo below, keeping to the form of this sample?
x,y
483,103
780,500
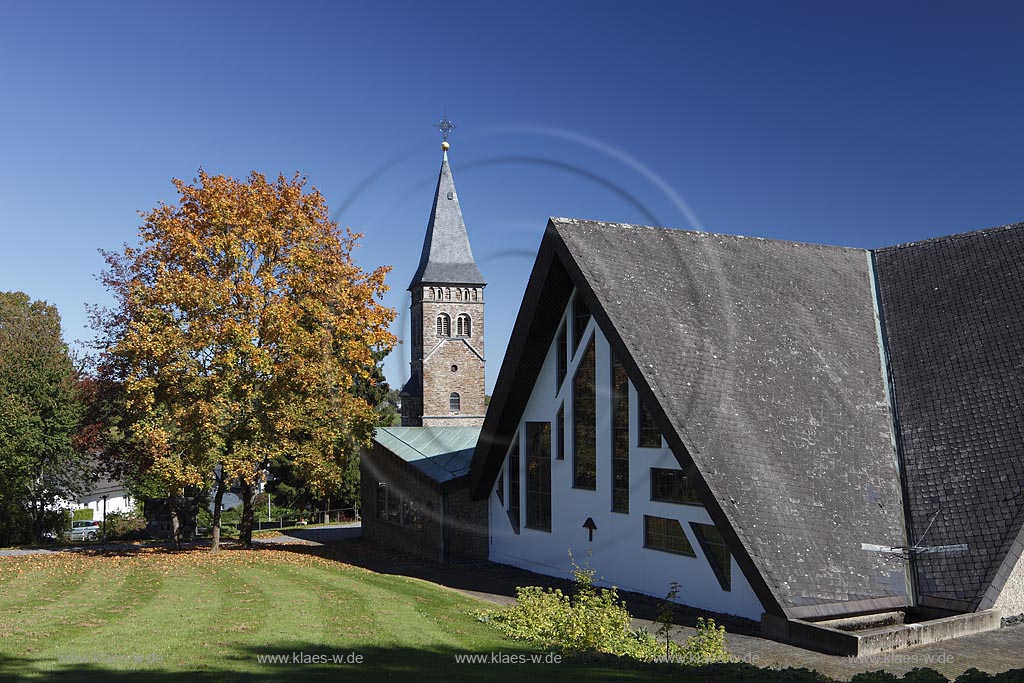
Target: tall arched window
x,y
447,294
454,403
463,326
458,295
444,325
431,292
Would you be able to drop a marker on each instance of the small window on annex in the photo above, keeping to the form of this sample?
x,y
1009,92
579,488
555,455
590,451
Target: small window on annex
x,y
454,402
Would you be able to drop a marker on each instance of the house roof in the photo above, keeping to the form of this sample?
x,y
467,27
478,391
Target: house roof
x,y
441,453
955,331
762,365
446,257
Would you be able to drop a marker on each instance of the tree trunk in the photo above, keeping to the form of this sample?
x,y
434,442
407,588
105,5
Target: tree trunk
x,y
175,521
246,523
218,499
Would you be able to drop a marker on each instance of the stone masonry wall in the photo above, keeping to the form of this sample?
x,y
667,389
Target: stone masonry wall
x,y
462,353
466,521
376,466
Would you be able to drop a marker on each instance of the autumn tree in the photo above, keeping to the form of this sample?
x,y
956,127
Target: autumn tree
x,y
40,410
241,328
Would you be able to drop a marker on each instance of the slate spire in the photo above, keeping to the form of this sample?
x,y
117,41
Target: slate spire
x,y
447,258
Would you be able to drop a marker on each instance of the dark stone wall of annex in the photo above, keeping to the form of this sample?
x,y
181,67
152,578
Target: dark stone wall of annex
x,y
377,465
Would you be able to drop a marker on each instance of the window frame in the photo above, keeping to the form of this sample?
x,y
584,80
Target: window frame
x,y
591,348
711,548
650,544
644,428
514,512
619,437
538,476
688,488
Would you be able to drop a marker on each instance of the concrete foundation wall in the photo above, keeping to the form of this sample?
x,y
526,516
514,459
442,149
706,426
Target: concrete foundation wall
x,y
1011,599
822,638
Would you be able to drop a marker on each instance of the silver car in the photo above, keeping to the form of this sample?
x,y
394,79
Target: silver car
x,y
84,530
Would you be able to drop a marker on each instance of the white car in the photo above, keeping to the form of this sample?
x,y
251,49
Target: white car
x,y
85,530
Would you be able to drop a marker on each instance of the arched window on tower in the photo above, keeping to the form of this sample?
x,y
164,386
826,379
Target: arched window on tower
x,y
463,326
458,295
444,325
447,294
454,403
430,290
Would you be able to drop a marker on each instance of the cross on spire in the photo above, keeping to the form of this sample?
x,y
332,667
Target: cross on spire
x,y
446,127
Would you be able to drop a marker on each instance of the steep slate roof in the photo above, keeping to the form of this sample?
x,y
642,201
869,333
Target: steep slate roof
x,y
953,313
441,453
447,257
761,363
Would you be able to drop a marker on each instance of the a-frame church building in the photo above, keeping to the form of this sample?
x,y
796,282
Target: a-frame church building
x,y
795,433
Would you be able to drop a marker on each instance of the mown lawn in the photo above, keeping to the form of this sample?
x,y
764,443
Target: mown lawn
x,y
157,615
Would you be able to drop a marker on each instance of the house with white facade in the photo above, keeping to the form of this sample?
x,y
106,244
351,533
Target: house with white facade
x,y
796,433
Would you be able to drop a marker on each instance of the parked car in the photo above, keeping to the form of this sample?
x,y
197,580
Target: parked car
x,y
85,530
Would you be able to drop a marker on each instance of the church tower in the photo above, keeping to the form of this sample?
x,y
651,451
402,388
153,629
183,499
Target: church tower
x,y
446,386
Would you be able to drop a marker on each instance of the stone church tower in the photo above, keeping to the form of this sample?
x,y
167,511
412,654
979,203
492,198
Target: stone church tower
x,y
446,386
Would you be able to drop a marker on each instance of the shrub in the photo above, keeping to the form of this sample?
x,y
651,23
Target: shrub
x,y
82,514
596,620
707,646
125,526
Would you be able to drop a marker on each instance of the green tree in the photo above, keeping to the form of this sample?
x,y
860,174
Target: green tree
x,y
40,411
242,329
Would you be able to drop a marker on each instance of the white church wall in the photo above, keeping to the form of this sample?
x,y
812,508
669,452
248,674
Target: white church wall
x,y
617,552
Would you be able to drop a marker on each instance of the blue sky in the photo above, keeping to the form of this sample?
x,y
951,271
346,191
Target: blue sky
x,y
861,124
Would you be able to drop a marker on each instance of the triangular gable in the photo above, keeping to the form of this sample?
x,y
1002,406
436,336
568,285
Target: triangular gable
x,y
760,362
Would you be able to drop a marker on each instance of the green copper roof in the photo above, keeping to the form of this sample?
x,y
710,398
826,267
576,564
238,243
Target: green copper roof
x,y
441,453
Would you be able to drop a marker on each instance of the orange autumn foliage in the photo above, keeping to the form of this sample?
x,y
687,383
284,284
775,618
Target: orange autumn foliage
x,y
241,325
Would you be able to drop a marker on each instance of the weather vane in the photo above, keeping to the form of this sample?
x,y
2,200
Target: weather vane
x,y
446,127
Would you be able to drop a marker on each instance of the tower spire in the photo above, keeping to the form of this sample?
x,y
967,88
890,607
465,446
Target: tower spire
x,y
446,257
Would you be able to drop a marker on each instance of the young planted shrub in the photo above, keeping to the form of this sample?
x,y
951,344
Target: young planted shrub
x,y
595,619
